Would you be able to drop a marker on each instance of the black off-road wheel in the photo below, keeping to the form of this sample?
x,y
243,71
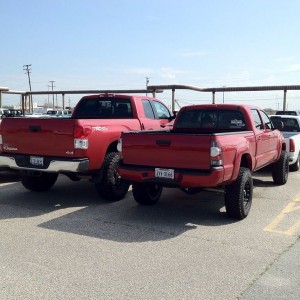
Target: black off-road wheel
x,y
280,169
238,195
39,181
146,194
295,166
112,187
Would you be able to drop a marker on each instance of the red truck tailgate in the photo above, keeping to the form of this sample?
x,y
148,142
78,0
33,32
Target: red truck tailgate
x,y
169,150
38,136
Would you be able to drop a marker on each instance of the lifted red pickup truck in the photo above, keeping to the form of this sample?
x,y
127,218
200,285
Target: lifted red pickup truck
x,y
82,146
209,146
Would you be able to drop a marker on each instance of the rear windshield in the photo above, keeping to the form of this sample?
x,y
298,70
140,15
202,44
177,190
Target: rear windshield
x,y
289,124
211,119
104,108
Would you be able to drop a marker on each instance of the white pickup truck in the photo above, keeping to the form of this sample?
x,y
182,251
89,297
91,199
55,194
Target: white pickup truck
x,y
291,132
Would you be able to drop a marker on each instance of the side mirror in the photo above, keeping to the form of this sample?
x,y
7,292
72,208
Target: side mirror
x,y
172,118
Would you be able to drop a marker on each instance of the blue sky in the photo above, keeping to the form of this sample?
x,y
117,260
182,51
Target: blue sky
x,y
116,44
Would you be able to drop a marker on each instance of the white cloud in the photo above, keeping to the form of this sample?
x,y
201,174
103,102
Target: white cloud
x,y
170,73
284,59
293,68
162,72
139,70
167,73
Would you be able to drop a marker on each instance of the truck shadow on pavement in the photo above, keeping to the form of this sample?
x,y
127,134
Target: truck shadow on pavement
x,y
263,178
18,202
127,221
9,176
75,207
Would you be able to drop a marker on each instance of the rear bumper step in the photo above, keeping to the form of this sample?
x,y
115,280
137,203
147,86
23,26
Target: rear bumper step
x,y
51,164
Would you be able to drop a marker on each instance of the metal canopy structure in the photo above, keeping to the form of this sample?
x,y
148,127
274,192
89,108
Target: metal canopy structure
x,y
214,90
26,94
2,89
155,89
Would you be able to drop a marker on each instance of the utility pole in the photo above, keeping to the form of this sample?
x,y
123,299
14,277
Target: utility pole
x,y
27,70
48,102
147,82
52,82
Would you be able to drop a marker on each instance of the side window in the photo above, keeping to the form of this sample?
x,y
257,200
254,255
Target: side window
x,y
256,119
266,120
161,110
148,109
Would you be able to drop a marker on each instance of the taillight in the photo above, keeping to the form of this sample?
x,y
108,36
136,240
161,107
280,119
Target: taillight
x,y
119,145
80,136
292,145
81,132
216,156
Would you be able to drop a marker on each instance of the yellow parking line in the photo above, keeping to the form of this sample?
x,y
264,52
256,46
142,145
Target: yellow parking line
x,y
285,214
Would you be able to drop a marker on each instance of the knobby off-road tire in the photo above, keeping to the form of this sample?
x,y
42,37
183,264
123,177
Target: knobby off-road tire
x,y
146,194
40,182
238,195
112,187
295,166
280,169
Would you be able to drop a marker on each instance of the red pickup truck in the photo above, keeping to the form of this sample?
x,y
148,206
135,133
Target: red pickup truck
x,y
82,146
209,146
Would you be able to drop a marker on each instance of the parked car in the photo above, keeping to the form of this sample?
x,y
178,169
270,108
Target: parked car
x,y
11,113
290,128
288,112
3,112
59,113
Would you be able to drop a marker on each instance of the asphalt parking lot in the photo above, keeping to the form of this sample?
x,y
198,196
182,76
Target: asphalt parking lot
x,y
69,244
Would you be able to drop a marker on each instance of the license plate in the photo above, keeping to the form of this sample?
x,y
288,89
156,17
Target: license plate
x,y
164,173
37,161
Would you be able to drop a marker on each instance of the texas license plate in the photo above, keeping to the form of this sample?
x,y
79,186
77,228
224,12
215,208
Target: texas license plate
x,y
37,161
164,173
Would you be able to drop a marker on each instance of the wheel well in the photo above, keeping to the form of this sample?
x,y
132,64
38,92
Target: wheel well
x,y
284,146
246,161
112,147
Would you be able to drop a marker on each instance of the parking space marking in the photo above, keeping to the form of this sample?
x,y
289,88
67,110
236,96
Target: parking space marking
x,y
288,220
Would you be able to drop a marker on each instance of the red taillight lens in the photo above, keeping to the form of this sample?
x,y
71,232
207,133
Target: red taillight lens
x,y
81,132
216,155
292,145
